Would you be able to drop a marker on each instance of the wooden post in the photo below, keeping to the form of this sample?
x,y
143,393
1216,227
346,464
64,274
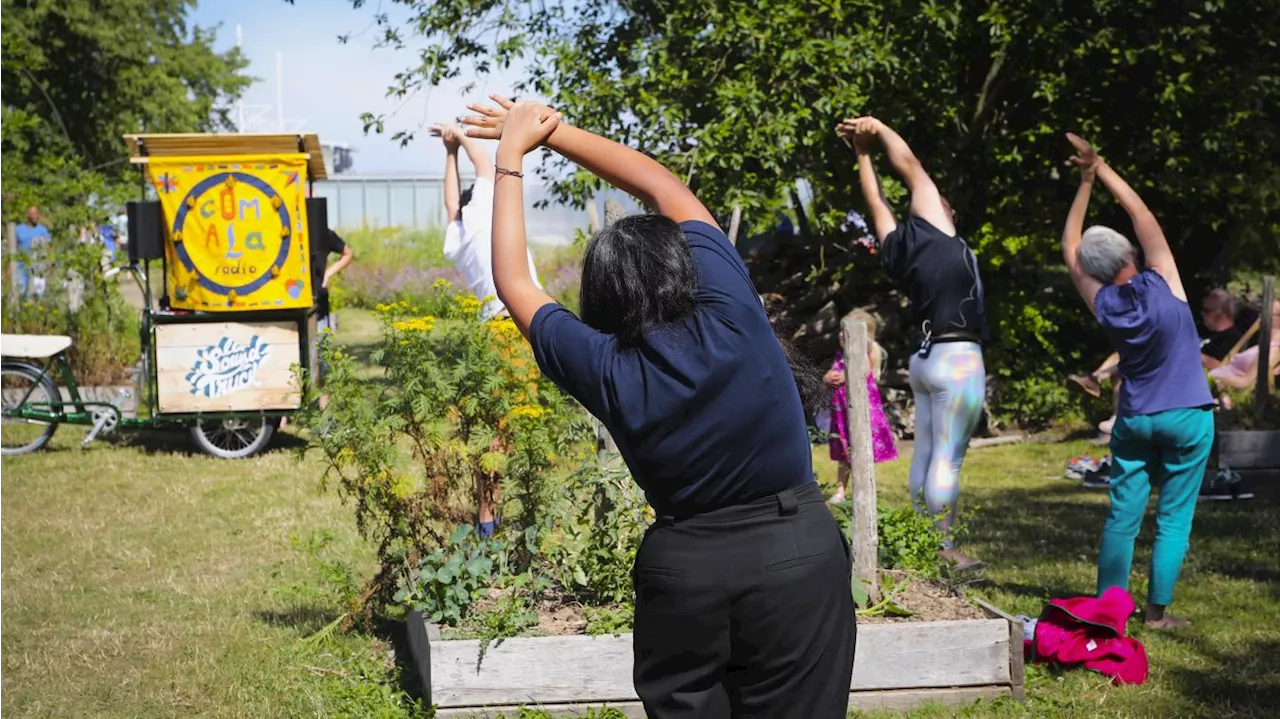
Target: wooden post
x,y
612,212
733,224
862,479
593,218
1263,387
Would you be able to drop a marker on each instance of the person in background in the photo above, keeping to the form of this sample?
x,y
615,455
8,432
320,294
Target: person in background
x,y
742,601
467,237
1164,430
33,240
936,268
324,244
1241,370
468,245
882,445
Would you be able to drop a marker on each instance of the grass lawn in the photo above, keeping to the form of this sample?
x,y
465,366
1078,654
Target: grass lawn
x,y
142,580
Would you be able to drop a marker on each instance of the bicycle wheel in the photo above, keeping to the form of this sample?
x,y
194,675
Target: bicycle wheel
x,y
19,380
233,438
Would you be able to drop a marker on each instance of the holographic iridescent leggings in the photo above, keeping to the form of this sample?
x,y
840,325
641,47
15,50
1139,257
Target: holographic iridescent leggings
x,y
949,386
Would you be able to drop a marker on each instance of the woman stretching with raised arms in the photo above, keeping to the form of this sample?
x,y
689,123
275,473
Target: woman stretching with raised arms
x,y
1164,419
742,603
935,268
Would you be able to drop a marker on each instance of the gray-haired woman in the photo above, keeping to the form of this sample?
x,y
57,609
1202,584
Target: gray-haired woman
x,y
1164,425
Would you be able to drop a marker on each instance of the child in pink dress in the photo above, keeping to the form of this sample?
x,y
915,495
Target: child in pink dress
x,y
882,444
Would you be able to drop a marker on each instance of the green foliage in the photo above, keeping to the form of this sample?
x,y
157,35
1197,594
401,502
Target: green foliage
x,y
610,620
79,74
103,326
740,98
594,533
908,540
460,408
1037,401
391,265
368,685
451,578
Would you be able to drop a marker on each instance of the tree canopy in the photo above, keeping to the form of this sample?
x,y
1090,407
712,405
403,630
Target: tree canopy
x,y
78,74
741,99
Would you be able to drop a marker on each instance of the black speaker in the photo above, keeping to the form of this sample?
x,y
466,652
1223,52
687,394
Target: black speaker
x,y
146,230
317,217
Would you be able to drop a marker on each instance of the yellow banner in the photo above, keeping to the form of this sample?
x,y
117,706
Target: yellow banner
x,y
237,231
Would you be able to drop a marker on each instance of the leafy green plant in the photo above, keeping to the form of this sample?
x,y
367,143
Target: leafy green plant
x,y
451,578
610,620
461,414
101,323
590,544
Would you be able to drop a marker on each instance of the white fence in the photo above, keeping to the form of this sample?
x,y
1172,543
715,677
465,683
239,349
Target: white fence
x,y
417,201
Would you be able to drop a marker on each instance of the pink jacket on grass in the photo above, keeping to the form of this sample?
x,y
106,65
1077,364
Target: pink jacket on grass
x,y
1090,631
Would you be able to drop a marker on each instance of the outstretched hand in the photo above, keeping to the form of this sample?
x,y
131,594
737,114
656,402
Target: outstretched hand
x,y
860,131
1086,158
487,124
451,135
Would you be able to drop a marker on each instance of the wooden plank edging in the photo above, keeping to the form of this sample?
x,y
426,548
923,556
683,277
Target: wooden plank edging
x,y
909,662
863,701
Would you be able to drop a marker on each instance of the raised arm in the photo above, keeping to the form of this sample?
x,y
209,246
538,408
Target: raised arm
x,y
882,218
1155,248
451,136
629,170
1088,162
477,154
523,130
926,201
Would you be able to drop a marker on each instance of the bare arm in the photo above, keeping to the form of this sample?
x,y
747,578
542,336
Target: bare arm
x,y
1087,286
629,170
479,157
1154,245
337,267
926,201
882,219
451,136
452,186
512,275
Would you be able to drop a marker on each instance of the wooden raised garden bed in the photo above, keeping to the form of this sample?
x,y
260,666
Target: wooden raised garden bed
x,y
898,665
1255,455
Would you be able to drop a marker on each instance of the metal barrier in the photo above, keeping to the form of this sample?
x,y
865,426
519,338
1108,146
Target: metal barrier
x,y
417,201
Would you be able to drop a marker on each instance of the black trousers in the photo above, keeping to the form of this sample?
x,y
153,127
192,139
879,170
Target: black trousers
x,y
745,611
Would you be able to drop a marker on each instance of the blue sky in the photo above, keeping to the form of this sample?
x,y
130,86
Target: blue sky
x,y
327,85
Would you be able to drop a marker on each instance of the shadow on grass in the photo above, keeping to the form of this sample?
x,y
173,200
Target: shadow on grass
x,y
1240,681
306,621
178,441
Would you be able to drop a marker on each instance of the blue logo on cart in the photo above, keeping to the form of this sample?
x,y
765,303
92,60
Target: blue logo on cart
x,y
226,367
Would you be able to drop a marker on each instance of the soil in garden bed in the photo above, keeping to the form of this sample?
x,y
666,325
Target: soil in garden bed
x,y
925,601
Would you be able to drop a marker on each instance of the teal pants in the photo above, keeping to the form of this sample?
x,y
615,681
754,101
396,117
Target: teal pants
x,y
1167,451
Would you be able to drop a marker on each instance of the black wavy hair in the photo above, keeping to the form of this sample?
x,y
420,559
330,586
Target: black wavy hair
x,y
638,273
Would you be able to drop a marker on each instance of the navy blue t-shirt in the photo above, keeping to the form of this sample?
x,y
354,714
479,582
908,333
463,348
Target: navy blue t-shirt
x,y
705,412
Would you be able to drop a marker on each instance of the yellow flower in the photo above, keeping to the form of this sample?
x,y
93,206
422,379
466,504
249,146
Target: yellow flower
x,y
441,284
531,411
420,324
468,304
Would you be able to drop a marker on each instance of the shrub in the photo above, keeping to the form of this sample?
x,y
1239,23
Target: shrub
x,y
82,304
390,266
461,405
